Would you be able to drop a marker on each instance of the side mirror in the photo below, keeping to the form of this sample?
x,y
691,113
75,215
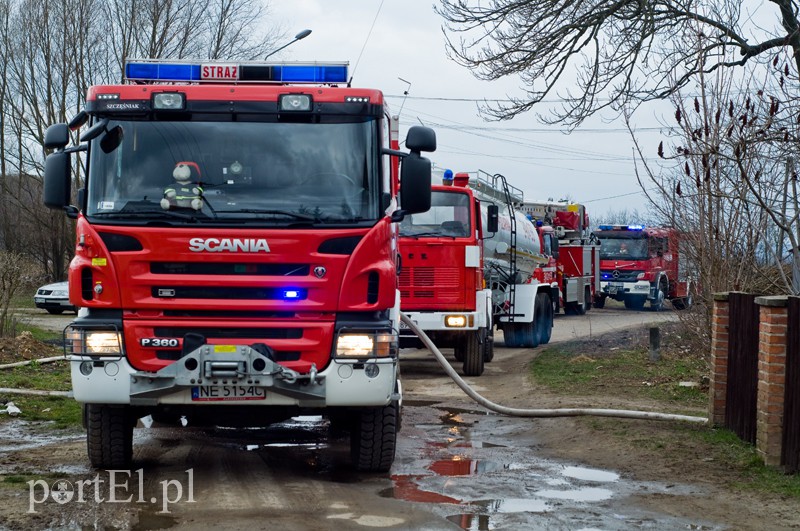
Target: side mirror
x,y
57,175
492,218
421,138
94,131
56,136
415,184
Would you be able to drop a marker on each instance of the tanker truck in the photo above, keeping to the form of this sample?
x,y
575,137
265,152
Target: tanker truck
x,y
468,265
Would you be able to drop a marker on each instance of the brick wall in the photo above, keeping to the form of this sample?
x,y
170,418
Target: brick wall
x,y
771,377
719,359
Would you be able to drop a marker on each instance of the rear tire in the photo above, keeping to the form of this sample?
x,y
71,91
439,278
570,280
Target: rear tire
x,y
600,301
109,436
55,311
512,336
587,299
544,318
473,355
373,440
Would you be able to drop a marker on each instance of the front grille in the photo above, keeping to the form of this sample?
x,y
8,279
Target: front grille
x,y
173,355
224,293
618,275
242,314
430,282
230,333
212,268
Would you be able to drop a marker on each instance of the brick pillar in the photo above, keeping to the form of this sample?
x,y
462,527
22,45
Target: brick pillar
x,y
719,360
771,377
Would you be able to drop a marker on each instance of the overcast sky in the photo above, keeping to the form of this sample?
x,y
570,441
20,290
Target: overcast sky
x,y
593,165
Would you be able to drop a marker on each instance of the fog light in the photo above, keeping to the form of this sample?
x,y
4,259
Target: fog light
x,y
86,368
372,370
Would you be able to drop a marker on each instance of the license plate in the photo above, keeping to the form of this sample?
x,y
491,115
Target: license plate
x,y
38,299
612,289
212,393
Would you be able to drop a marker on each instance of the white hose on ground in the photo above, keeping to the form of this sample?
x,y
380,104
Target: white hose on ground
x,y
34,392
517,412
28,362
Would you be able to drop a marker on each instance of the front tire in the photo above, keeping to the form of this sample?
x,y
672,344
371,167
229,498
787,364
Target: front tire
x,y
544,318
373,439
473,355
600,301
109,436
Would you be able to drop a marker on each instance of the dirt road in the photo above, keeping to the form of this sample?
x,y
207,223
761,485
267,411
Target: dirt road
x,y
457,467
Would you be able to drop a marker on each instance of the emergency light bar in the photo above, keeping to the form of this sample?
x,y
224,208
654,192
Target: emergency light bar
x,y
153,70
621,227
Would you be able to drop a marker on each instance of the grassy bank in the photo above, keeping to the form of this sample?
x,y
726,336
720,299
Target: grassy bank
x,y
618,366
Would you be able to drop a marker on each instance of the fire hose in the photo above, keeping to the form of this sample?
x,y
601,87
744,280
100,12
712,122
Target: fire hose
x,y
519,412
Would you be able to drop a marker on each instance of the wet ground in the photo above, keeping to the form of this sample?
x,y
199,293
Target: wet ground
x,y
457,467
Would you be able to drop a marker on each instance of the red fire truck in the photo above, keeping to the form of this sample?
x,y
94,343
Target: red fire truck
x,y
643,264
236,256
574,256
469,264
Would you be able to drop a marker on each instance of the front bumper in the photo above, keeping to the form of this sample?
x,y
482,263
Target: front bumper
x,y
620,289
342,383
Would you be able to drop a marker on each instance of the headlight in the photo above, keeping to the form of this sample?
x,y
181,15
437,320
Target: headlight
x,y
366,345
93,342
59,293
173,101
455,321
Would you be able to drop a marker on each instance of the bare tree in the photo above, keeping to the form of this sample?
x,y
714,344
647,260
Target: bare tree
x,y
55,49
16,275
595,54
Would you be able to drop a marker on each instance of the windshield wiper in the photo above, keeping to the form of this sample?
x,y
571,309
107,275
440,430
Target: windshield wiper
x,y
431,233
304,217
146,214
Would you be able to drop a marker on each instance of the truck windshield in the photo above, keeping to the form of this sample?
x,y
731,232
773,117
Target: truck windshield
x,y
449,216
623,249
235,171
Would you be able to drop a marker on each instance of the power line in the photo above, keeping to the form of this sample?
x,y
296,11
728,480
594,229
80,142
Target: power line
x,y
365,42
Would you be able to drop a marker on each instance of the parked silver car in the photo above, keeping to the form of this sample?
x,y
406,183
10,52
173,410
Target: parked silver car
x,y
54,298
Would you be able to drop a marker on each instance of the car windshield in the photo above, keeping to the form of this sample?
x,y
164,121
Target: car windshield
x,y
449,216
232,171
623,248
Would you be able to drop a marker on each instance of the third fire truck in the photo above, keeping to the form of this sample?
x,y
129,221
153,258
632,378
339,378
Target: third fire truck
x,y
642,265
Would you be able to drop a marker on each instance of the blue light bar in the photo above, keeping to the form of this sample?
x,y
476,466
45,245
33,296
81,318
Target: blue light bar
x,y
635,227
606,227
152,70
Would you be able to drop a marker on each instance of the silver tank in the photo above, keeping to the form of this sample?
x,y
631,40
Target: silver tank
x,y
496,249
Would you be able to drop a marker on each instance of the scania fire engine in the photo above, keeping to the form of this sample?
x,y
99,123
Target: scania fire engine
x,y
236,254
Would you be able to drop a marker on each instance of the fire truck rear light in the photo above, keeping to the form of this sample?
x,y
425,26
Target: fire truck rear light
x,y
294,102
174,101
455,321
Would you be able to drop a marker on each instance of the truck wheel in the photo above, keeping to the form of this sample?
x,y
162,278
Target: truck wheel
x,y
109,436
657,304
529,332
374,438
458,350
488,348
599,301
511,335
635,302
587,299
473,355
544,319
684,303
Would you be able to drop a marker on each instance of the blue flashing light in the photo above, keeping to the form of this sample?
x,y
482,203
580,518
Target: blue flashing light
x,y
448,175
162,71
292,294
249,72
635,227
606,227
